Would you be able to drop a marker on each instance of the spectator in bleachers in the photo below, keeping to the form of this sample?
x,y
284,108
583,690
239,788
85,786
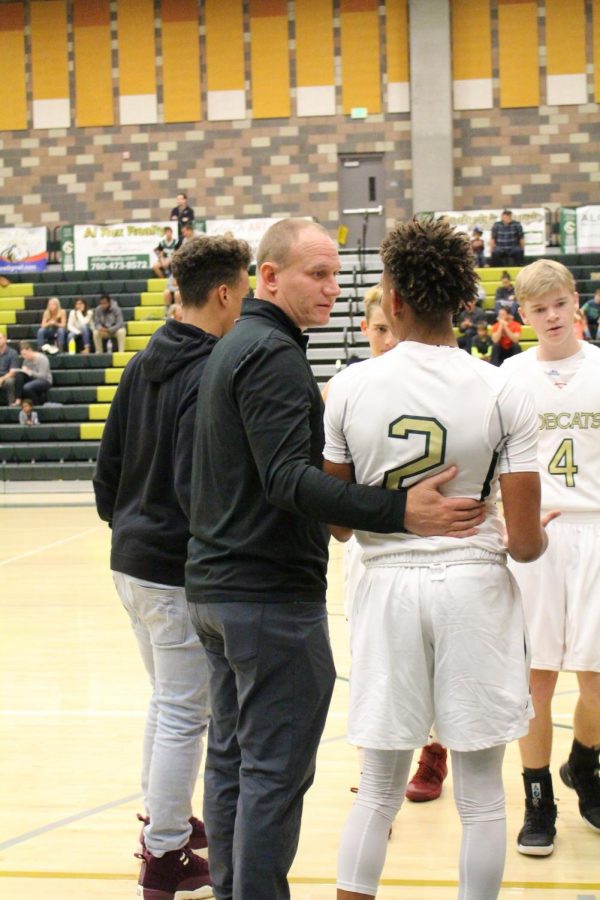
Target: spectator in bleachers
x,y
507,242
506,334
182,213
467,321
579,326
481,345
478,247
505,298
108,325
164,251
51,334
9,365
79,326
27,415
34,378
591,312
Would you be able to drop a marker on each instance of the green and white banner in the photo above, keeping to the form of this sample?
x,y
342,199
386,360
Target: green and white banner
x,y
588,229
124,245
568,229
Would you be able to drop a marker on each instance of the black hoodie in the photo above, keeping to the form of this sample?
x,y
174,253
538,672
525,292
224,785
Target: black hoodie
x,y
142,477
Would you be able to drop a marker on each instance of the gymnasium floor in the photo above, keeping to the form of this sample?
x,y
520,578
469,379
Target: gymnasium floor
x,y
72,699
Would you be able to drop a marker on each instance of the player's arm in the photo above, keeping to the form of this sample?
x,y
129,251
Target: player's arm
x,y
526,535
344,471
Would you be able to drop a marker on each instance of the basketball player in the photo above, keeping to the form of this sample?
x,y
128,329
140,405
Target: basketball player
x,y
561,592
426,783
438,632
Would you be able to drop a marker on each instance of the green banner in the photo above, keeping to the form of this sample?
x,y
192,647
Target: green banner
x,y
568,230
67,248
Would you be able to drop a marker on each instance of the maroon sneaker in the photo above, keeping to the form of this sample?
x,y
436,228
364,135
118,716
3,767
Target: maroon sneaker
x,y
178,875
198,839
426,783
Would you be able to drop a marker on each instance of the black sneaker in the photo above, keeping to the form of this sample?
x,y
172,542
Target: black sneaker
x,y
587,784
536,837
565,774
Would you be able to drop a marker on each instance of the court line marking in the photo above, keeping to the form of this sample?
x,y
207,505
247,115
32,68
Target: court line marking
x,y
385,882
40,549
53,826
73,713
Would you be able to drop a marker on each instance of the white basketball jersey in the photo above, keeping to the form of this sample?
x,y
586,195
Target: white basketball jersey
x,y
417,410
569,423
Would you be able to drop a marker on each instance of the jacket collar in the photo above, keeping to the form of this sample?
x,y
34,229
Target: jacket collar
x,y
252,306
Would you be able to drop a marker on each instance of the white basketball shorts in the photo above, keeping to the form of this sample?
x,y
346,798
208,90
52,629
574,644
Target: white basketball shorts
x,y
442,643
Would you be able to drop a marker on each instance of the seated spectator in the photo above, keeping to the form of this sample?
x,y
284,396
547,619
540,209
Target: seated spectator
x,y
164,251
467,321
506,334
9,365
591,312
79,326
505,298
34,378
579,326
51,334
481,345
507,242
175,312
108,325
28,416
478,247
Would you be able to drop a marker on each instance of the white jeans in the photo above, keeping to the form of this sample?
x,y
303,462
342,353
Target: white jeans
x,y
178,710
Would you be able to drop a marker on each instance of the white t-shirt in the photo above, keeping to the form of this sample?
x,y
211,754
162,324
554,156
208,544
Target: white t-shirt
x,y
566,394
417,410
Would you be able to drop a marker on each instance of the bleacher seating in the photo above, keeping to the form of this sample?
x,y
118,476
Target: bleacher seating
x,y
65,444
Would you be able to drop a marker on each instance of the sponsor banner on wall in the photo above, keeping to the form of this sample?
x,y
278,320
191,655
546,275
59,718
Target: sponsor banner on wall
x,y
23,249
124,245
533,220
250,230
568,229
588,229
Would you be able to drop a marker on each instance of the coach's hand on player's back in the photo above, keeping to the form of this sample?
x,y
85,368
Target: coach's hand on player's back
x,y
429,512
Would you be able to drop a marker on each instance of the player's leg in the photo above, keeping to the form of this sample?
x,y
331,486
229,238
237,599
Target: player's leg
x,y
536,837
364,837
582,771
479,797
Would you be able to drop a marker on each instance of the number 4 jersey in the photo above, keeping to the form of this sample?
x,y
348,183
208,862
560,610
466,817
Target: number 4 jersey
x,y
566,393
415,411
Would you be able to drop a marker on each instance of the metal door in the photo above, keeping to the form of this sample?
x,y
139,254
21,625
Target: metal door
x,y
362,202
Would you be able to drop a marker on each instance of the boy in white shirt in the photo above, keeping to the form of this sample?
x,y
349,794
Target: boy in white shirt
x,y
561,592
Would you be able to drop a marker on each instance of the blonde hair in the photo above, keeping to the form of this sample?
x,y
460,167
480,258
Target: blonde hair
x,y
56,300
372,299
541,277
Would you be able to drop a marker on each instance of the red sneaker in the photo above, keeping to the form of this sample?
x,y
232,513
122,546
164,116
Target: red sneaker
x,y
198,839
426,783
179,873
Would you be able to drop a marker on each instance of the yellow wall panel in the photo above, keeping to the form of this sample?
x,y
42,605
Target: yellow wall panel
x,y
270,67
224,45
137,47
49,58
314,43
93,63
565,37
471,46
397,40
12,54
361,77
518,53
181,83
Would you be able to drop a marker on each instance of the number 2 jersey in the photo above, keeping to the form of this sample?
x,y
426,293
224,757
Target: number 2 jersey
x,y
566,394
415,411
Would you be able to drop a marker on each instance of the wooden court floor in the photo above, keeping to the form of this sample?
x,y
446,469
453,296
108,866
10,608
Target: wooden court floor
x,y
72,700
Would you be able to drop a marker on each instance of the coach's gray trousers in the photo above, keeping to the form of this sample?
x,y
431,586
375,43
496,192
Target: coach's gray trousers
x,y
271,678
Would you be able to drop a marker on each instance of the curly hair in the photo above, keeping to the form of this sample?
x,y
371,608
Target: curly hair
x,y
205,262
430,266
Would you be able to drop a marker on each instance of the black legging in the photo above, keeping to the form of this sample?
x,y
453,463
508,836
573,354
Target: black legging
x,y
34,388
